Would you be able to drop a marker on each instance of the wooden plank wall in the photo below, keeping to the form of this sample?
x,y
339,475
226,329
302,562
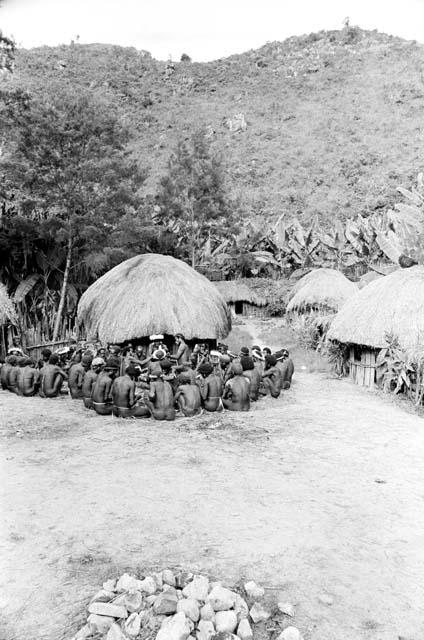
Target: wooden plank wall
x,y
362,372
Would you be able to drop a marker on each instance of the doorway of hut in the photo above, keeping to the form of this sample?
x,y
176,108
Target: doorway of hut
x,y
238,307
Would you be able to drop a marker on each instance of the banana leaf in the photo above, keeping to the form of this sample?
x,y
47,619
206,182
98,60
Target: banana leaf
x,y
24,287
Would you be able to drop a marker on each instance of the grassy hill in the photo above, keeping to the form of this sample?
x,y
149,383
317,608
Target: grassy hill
x,y
334,119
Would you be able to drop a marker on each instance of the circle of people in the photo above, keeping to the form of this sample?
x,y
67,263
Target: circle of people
x,y
132,383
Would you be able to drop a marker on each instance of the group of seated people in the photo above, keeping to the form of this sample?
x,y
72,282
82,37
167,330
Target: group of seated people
x,y
132,383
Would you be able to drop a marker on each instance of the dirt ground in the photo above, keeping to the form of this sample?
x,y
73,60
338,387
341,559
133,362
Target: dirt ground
x,y
319,494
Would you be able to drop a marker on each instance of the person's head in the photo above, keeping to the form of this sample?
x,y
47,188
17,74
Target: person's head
x,y
196,348
205,369
16,341
54,359
29,362
155,370
247,363
22,361
101,353
214,357
204,348
158,354
130,346
256,347
266,351
257,355
237,369
45,354
270,361
184,378
139,350
225,360
132,371
12,360
114,350
86,361
97,364
224,348
285,353
166,365
179,338
244,351
15,351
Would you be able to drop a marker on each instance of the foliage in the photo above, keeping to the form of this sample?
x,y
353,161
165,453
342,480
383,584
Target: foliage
x,y
7,53
338,356
276,308
395,370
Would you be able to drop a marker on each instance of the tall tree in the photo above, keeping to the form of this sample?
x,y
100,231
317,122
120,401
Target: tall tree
x,y
66,159
192,200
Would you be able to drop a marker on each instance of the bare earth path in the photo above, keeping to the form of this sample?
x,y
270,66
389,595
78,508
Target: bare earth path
x,y
286,495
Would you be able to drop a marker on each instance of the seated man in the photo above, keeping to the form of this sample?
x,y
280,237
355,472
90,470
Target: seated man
x,y
211,387
160,398
5,370
13,375
271,377
102,390
76,375
187,397
89,381
28,378
236,391
51,378
252,374
45,355
126,403
286,368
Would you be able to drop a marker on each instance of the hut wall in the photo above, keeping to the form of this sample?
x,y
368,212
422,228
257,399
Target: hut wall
x,y
362,366
253,310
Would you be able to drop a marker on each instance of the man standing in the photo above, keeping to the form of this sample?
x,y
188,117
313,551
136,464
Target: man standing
x,y
236,391
182,351
126,404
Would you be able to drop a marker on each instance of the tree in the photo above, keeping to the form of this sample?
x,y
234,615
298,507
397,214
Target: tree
x,y
67,163
7,52
192,201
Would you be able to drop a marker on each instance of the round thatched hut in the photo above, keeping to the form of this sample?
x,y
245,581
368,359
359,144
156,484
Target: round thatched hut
x,y
151,294
321,290
393,304
257,297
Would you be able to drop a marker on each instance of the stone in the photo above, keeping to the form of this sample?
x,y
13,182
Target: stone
x,y
175,628
290,633
179,594
240,607
244,630
286,608
190,607
253,590
133,625
103,596
197,589
165,603
207,613
109,585
148,585
169,589
168,577
115,633
107,609
225,621
85,632
205,630
127,583
182,579
158,579
221,599
133,601
150,600
258,613
100,624
325,598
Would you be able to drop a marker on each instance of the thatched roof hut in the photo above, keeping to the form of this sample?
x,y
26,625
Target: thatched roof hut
x,y
321,289
251,296
151,294
239,291
392,304
7,310
368,277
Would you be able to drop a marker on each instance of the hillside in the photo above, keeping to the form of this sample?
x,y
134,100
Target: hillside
x,y
333,119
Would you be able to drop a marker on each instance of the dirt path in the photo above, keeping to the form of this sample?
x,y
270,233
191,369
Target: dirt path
x,y
319,492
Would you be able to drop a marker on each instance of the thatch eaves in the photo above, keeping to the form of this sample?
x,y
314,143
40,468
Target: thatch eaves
x,y
257,291
323,289
393,304
151,294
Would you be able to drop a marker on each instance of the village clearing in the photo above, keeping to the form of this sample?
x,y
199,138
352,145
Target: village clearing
x,y
317,496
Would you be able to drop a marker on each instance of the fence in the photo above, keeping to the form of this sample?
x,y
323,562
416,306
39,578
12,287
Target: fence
x,y
35,350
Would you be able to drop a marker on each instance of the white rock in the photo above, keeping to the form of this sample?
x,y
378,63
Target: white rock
x,y
115,633
148,585
205,630
325,598
168,577
175,628
290,633
107,609
286,608
221,599
179,594
253,590
225,621
169,589
183,578
207,613
133,625
158,579
258,613
197,589
85,632
133,601
244,630
190,607
240,607
109,585
165,603
103,596
151,600
127,583
100,624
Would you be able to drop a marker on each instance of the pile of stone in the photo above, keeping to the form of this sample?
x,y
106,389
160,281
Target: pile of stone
x,y
178,606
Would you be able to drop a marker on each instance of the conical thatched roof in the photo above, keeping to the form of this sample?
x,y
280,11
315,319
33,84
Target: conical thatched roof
x,y
321,289
7,310
151,294
392,304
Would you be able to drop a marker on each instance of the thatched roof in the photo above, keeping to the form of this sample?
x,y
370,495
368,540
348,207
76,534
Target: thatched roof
x,y
7,310
368,277
258,291
321,289
392,304
151,294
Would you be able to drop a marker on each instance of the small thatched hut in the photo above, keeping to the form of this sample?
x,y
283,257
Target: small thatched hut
x,y
151,294
322,291
393,304
252,296
7,315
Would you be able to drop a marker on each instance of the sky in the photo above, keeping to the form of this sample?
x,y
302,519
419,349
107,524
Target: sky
x,y
203,29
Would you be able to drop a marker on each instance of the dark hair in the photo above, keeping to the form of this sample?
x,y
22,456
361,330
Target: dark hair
x,y
247,363
46,353
270,361
54,358
180,335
